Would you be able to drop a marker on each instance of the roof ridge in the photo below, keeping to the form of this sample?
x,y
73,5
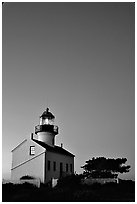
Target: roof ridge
x,y
55,148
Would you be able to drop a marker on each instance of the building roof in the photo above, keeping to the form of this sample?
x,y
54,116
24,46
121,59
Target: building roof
x,y
47,114
55,148
19,145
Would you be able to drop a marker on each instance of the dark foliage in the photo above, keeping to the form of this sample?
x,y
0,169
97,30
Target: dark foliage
x,y
102,167
26,177
110,192
70,181
12,191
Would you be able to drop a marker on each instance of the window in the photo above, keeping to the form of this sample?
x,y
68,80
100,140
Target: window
x,y
70,167
54,166
61,169
55,128
46,121
48,165
32,150
66,167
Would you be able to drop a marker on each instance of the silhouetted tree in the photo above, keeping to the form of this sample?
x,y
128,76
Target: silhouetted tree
x,y
102,167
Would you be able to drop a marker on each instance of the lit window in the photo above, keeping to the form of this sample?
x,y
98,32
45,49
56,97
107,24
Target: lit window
x,y
32,150
47,121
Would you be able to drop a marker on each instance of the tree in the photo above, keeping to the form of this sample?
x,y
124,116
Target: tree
x,y
102,167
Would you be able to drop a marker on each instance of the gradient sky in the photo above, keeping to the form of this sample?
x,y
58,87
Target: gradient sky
x,y
77,58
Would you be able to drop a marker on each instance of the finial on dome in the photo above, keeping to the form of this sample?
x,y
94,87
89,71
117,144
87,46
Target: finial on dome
x,y
47,114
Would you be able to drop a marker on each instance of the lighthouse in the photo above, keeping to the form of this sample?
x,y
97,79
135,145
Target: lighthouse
x,y
46,130
39,157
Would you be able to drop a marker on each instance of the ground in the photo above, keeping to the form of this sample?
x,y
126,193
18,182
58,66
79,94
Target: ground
x,y
70,190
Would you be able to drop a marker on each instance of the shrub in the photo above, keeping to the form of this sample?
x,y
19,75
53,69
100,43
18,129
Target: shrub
x,y
26,177
69,181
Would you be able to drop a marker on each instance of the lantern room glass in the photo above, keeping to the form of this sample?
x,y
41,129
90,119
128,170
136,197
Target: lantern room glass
x,y
46,121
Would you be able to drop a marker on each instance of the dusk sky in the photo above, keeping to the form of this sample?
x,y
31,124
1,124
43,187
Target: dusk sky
x,y
77,59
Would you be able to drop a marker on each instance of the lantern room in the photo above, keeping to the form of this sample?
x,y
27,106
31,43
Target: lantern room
x,y
47,118
46,130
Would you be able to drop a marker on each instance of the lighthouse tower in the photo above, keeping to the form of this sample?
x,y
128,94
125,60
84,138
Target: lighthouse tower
x,y
46,130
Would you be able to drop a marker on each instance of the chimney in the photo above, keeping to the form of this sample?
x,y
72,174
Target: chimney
x,y
61,145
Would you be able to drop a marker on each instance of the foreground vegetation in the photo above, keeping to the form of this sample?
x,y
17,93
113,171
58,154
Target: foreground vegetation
x,y
69,189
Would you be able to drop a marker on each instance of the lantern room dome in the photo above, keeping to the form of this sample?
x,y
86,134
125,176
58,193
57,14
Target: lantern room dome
x,y
47,114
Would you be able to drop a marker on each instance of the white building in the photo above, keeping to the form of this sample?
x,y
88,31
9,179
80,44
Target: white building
x,y
39,157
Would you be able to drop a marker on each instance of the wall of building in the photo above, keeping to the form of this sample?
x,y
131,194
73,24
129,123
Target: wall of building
x,y
22,152
37,165
25,164
33,167
56,157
